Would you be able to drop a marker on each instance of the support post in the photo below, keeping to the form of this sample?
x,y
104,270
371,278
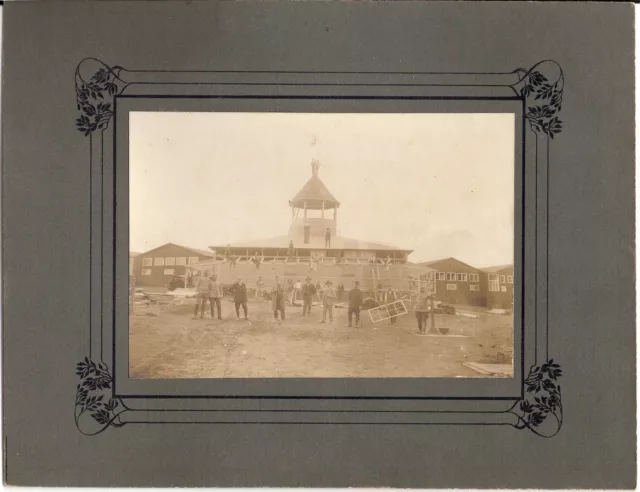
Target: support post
x,y
323,209
305,210
432,321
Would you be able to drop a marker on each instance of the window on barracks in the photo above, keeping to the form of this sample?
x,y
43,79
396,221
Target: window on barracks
x,y
494,284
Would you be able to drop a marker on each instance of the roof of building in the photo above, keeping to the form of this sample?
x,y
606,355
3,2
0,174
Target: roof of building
x,y
435,263
133,254
337,242
202,252
497,268
314,192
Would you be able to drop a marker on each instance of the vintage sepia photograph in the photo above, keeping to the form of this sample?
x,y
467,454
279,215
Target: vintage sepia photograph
x,y
321,245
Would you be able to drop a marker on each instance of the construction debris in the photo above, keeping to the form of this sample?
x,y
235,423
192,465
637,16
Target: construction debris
x,y
387,311
504,370
468,315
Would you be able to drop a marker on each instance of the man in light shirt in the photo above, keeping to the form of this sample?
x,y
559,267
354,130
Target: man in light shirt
x,y
203,286
328,299
215,295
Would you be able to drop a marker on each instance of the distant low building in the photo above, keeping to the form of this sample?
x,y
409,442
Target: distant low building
x,y
156,267
458,283
499,286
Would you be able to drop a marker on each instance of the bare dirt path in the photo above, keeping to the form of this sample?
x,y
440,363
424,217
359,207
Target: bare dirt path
x,y
172,345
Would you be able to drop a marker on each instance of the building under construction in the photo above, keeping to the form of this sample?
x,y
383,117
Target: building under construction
x,y
313,248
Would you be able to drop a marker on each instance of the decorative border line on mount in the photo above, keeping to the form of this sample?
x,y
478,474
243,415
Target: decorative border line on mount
x,y
542,395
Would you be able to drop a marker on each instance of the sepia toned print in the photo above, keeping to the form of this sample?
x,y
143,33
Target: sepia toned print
x,y
321,245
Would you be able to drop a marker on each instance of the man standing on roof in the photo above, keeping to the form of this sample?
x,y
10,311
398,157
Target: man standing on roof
x,y
291,251
203,286
239,290
327,238
308,291
229,258
256,260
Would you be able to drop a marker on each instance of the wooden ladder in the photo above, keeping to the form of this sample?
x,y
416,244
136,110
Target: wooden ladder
x,y
375,274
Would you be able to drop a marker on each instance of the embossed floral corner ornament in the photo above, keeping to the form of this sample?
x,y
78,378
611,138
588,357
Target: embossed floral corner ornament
x,y
94,94
95,409
540,410
543,94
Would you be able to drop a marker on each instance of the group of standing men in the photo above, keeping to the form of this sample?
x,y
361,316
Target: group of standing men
x,y
209,289
328,299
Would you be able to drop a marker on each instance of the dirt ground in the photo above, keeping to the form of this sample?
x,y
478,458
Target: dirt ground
x,y
166,343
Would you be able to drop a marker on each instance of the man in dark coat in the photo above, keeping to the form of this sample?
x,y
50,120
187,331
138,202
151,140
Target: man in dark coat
x,y
355,301
340,292
308,291
239,290
277,299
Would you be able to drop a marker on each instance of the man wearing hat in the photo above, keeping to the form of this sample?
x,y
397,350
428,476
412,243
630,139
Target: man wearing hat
x,y
203,286
422,310
308,291
239,290
215,295
355,301
328,299
277,299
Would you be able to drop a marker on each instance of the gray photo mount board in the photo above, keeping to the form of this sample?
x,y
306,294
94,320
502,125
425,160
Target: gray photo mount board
x,y
62,251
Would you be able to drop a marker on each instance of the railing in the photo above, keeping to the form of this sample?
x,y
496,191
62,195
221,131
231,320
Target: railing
x,y
306,259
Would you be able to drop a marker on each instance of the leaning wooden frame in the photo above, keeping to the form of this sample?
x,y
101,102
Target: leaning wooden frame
x,y
387,311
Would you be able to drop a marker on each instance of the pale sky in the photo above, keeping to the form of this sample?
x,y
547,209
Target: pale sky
x,y
440,184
